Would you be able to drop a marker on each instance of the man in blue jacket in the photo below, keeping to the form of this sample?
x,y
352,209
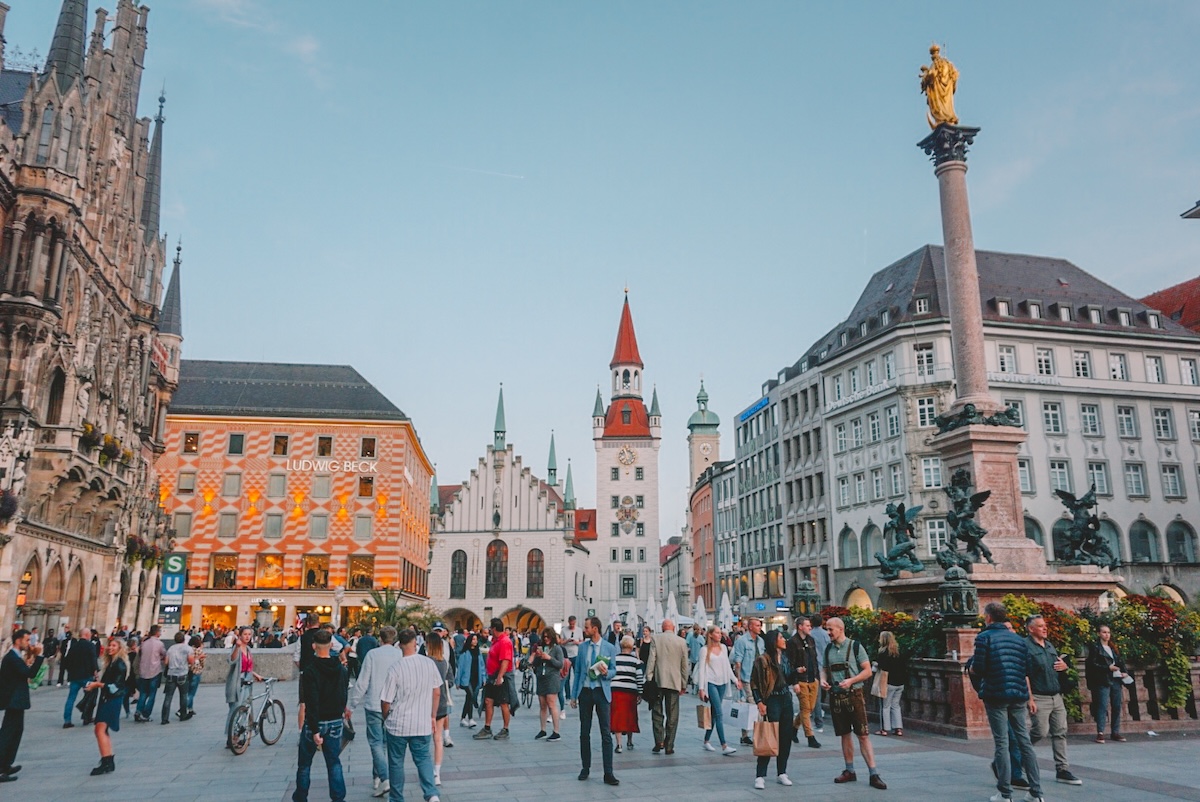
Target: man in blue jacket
x,y
593,694
998,674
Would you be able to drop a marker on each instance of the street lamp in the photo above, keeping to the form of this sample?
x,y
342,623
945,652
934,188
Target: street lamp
x,y
805,601
958,599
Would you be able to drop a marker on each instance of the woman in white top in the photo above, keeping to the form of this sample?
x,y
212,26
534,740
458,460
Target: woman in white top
x,y
713,676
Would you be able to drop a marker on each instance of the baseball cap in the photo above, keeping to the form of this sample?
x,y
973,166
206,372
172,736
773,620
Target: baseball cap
x,y
439,625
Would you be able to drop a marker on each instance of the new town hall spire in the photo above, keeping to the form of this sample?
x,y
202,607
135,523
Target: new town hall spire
x,y
66,48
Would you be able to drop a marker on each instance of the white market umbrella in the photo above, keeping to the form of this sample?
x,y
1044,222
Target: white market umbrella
x,y
672,607
699,613
725,616
614,614
651,616
658,615
631,623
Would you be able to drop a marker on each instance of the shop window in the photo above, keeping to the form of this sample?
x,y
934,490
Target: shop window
x,y
315,570
224,572
269,572
362,573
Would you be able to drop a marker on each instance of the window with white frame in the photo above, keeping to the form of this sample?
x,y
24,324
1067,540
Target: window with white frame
x,y
860,488
897,480
227,524
1035,311
1154,370
1172,481
1083,364
1007,361
1098,477
1188,371
935,534
1154,321
923,353
926,411
892,414
889,366
1094,315
854,380
1060,475
843,491
839,436
885,317
922,306
1064,313
873,430
877,483
1003,308
837,388
1123,318
1135,479
1045,362
856,432
1052,417
1025,475
1126,421
1194,423
1164,424
1118,367
1089,419
862,329
931,472
1018,407
871,373
231,485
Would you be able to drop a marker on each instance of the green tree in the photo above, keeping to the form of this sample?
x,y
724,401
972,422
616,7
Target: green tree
x,y
390,609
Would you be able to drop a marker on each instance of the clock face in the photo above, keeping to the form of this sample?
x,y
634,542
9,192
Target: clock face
x,y
706,448
627,456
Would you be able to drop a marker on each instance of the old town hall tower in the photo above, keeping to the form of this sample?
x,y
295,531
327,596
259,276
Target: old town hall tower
x,y
627,439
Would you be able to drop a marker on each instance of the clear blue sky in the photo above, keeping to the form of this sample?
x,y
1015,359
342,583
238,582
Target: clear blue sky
x,y
452,195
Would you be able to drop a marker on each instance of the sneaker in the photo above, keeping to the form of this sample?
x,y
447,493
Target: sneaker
x,y
813,743
746,741
473,723
540,735
629,744
434,798
846,776
821,728
999,797
446,742
617,749
385,787
877,782
1021,783
375,785
562,715
1119,738
709,747
502,735
1099,737
483,735
760,783
462,722
1068,778
67,725
1032,798
554,738
782,779
728,750
437,776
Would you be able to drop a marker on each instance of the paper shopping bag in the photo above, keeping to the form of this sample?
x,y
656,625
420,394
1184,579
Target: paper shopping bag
x,y
766,738
704,717
879,684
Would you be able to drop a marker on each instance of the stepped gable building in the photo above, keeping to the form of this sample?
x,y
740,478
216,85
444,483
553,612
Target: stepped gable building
x,y
301,486
88,357
509,545
1107,386
627,437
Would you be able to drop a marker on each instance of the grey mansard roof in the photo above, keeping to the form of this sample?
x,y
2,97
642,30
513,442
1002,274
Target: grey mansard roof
x,y
267,389
1016,278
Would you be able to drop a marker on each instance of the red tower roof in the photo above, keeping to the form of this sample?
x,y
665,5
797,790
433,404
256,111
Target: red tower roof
x,y
626,352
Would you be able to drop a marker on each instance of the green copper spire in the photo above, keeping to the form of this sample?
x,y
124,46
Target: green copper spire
x,y
654,413
569,492
598,410
435,501
499,430
552,465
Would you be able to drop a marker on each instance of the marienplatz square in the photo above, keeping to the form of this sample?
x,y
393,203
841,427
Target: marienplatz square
x,y
772,400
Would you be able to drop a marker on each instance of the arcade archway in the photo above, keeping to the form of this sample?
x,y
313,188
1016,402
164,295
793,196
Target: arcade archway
x,y
460,618
522,619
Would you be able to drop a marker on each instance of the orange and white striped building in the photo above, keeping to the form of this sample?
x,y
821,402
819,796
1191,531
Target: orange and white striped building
x,y
300,486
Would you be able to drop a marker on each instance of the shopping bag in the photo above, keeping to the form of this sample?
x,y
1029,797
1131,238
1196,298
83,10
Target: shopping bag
x,y
744,714
766,738
704,717
880,683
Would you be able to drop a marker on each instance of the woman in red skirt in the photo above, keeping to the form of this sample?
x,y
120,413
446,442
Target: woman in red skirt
x,y
626,690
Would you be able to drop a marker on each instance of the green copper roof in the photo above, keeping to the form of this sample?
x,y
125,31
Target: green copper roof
x,y
569,492
703,418
435,503
654,413
499,429
552,465
598,410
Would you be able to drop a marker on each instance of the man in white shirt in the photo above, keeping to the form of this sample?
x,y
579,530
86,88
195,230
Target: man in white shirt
x,y
572,636
371,675
407,701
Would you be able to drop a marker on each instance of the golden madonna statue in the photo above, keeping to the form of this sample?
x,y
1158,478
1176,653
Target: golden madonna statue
x,y
939,81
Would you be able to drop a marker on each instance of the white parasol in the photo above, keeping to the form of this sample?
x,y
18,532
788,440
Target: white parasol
x,y
672,608
725,616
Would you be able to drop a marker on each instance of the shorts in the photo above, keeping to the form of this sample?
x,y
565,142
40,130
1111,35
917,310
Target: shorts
x,y
497,693
849,712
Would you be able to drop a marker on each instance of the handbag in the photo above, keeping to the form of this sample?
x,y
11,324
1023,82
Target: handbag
x,y
766,738
650,692
879,684
704,717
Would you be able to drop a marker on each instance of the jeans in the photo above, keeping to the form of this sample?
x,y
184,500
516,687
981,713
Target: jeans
x,y
173,684
378,744
422,754
779,708
331,748
1103,699
1051,718
592,699
807,699
716,695
569,682
1003,720
471,702
890,709
147,692
193,686
72,694
818,716
664,716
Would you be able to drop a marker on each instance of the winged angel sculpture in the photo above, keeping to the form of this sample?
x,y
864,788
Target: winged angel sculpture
x,y
964,529
1085,545
901,534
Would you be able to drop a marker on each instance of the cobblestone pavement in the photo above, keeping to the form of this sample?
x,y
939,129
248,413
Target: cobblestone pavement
x,y
188,761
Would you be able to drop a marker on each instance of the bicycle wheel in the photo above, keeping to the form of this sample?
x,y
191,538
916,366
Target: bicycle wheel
x,y
527,693
271,721
240,729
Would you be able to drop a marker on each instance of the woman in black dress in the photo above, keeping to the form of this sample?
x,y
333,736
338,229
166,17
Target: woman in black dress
x,y
115,672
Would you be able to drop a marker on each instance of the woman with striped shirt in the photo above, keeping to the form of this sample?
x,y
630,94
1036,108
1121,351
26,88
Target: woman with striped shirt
x,y
626,689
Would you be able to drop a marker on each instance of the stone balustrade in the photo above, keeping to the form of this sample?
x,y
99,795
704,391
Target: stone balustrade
x,y
277,663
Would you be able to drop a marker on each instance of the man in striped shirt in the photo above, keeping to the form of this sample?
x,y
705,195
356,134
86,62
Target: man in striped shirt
x,y
407,701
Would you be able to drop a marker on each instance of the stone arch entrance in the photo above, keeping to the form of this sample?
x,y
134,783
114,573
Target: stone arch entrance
x,y
461,618
522,618
93,603
74,607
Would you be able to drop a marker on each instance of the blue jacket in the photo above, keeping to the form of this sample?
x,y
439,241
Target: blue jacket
x,y
606,649
462,677
999,665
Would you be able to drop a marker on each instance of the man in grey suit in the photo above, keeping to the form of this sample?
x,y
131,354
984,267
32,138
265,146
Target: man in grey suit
x,y
668,666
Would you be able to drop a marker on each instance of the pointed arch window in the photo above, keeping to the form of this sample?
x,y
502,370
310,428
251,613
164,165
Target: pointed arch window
x,y
495,575
535,572
46,134
54,405
458,575
625,380
64,140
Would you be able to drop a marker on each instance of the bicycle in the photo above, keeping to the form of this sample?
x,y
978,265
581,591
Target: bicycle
x,y
268,722
527,692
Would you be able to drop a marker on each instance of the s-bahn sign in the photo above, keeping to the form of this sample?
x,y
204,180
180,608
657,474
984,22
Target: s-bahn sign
x,y
170,600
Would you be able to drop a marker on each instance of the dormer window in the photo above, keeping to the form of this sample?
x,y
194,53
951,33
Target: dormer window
x,y
1003,307
885,317
803,365
1095,315
922,306
626,415
862,329
1035,311
1124,318
844,338
1153,320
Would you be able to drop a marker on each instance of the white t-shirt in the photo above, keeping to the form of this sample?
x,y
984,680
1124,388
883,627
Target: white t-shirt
x,y
409,690
572,634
